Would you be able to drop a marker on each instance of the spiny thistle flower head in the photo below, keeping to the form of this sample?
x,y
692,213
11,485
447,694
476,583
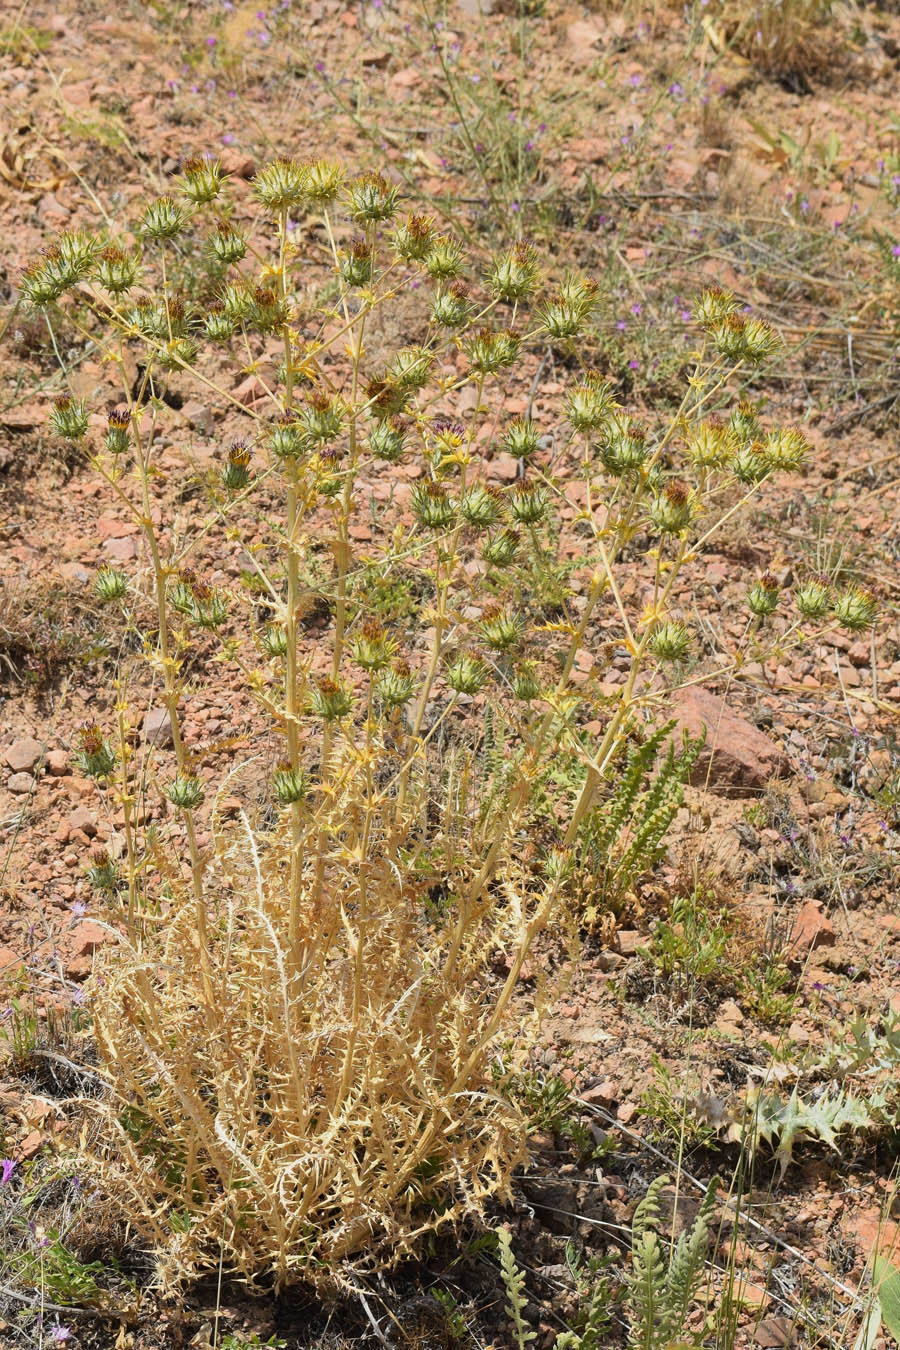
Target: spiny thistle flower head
x,y
501,629
521,438
394,687
741,338
444,258
744,422
564,316
268,312
371,647
69,417
714,306
386,397
116,270
590,404
785,450
762,598
499,550
750,465
413,237
813,598
199,602
372,198
217,325
289,785
411,368
160,319
432,505
236,471
75,254
226,244
110,584
329,472
672,511
526,685
177,353
163,219
491,351
201,180
324,179
102,872
281,184
710,444
856,609
287,438
321,417
451,308
236,301
40,285
480,505
118,424
448,435
274,640
466,674
670,641
356,265
387,439
623,446
514,275
330,700
95,756
185,791
528,501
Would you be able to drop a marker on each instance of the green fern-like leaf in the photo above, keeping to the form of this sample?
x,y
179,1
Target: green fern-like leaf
x,y
514,1283
687,1264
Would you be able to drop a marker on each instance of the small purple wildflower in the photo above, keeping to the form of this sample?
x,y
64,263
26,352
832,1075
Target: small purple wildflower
x,y
7,1167
632,365
229,138
636,310
210,42
60,1334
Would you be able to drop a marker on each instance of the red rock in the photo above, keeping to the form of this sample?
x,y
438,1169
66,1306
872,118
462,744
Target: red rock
x,y
30,1145
505,467
604,1094
737,756
87,937
11,963
110,528
81,819
57,763
24,754
157,727
776,1333
237,163
120,550
811,929
631,942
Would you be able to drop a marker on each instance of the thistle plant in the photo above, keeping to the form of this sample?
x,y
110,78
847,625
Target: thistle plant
x,y
299,1043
